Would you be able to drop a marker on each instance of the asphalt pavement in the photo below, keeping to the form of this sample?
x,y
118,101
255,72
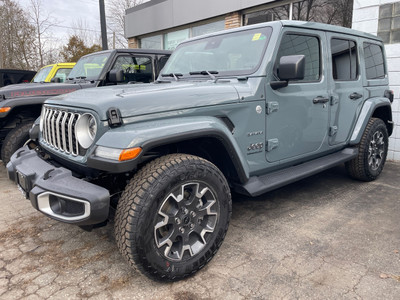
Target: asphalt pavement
x,y
325,237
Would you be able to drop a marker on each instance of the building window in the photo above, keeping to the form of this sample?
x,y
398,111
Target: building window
x,y
208,28
267,15
294,44
389,23
344,59
152,42
173,39
374,63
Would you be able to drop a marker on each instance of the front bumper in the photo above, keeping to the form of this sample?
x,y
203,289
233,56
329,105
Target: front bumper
x,y
55,192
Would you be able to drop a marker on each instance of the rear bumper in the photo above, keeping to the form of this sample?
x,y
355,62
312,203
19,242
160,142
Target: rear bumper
x,y
55,192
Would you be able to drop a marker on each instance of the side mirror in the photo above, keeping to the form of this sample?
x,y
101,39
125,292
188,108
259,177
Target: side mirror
x,y
291,67
55,79
116,76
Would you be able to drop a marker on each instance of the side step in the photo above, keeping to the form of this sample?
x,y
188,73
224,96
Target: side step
x,y
258,185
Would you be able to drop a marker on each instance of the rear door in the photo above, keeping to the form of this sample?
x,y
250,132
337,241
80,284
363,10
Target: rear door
x,y
297,115
348,93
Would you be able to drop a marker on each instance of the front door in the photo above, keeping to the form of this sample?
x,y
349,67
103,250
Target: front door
x,y
297,115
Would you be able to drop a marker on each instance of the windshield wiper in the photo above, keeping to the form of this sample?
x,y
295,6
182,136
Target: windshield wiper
x,y
209,73
175,75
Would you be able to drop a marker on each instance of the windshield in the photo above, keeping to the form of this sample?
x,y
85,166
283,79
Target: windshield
x,y
42,74
89,67
236,53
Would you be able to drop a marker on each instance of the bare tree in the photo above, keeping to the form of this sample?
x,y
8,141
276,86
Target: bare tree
x,y
115,11
337,12
17,37
342,12
42,21
82,30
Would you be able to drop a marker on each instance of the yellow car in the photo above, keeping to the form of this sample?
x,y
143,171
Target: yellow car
x,y
50,73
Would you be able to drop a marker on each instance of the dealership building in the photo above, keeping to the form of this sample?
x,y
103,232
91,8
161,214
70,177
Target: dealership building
x,y
163,24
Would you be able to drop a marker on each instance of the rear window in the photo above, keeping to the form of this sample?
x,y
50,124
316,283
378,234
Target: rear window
x,y
374,62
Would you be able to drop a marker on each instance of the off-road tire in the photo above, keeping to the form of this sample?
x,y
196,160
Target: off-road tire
x,y
145,196
364,166
15,139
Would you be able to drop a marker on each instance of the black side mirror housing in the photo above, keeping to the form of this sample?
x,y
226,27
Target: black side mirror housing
x,y
291,67
55,79
116,76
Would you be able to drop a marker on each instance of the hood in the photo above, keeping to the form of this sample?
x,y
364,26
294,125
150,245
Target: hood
x,y
142,99
36,89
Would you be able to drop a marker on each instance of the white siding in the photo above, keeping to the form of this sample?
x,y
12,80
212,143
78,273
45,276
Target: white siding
x,y
365,18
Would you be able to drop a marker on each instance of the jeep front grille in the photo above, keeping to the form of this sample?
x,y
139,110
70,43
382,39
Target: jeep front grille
x,y
59,130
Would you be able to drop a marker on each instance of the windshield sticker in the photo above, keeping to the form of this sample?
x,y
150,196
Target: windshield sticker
x,y
256,37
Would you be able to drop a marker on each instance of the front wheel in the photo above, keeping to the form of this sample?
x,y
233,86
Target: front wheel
x,y
173,216
373,148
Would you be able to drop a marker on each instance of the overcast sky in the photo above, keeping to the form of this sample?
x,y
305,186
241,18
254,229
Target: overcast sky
x,y
67,13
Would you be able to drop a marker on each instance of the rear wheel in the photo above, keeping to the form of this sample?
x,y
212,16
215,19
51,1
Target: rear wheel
x,y
173,216
15,139
372,153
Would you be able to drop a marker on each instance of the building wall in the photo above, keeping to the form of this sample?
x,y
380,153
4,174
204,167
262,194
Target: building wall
x,y
141,20
366,18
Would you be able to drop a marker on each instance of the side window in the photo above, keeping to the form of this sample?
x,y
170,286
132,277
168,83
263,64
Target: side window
x,y
135,68
344,59
62,74
374,63
294,44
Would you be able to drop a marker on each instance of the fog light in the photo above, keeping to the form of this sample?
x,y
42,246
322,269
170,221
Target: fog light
x,y
63,207
66,208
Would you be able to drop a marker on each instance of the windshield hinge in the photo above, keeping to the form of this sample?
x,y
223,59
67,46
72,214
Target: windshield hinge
x,y
114,117
272,144
334,100
272,106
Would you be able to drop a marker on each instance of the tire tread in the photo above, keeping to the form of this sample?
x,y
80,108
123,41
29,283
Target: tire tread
x,y
357,168
133,204
14,139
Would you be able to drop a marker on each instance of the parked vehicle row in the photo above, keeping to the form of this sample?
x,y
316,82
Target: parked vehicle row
x,y
10,76
53,73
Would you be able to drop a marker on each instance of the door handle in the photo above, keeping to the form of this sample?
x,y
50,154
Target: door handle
x,y
355,96
320,99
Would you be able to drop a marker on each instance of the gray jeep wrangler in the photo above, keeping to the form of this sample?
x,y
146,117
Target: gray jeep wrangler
x,y
245,110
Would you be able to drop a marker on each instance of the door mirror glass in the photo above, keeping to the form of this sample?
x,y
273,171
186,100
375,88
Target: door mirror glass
x,y
116,76
291,67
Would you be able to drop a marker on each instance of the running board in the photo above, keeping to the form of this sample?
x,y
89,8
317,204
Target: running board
x,y
258,185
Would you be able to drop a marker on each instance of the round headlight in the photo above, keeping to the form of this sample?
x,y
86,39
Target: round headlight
x,y
85,130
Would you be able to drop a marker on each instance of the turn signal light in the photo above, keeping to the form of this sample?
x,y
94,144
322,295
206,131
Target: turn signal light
x,y
128,154
4,109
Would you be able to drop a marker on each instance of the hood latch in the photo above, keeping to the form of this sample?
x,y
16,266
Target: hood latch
x,y
114,117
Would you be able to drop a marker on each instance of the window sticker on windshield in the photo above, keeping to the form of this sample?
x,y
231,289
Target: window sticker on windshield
x,y
256,37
